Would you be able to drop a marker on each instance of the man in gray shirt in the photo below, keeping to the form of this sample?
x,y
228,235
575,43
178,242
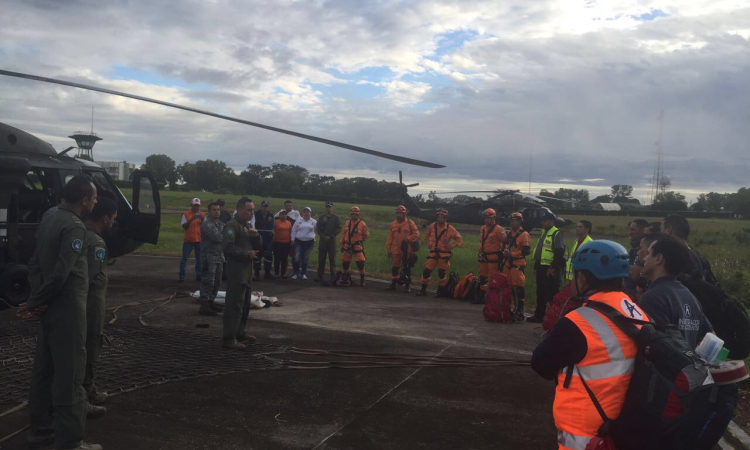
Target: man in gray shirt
x,y
213,259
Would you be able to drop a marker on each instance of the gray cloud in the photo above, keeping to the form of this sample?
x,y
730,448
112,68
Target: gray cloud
x,y
582,95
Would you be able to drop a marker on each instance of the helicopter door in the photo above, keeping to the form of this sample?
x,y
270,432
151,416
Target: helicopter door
x,y
146,218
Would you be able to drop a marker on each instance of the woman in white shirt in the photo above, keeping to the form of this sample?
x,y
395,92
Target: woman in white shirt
x,y
303,240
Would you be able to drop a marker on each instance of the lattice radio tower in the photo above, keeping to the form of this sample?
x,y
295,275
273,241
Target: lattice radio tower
x,y
659,182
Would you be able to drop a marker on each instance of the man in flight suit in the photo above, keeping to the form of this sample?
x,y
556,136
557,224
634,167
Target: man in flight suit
x,y
58,272
241,244
491,242
99,222
399,245
352,243
514,256
438,238
212,253
328,227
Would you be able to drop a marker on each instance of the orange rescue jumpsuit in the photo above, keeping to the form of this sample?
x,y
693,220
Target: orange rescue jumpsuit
x,y
515,265
438,239
400,237
353,236
491,244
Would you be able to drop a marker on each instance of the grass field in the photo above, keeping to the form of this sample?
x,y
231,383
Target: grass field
x,y
724,243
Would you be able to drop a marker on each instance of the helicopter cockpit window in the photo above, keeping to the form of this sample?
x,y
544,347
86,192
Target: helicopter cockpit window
x,y
34,196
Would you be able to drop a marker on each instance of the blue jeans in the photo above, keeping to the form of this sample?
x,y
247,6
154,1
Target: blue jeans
x,y
302,252
187,248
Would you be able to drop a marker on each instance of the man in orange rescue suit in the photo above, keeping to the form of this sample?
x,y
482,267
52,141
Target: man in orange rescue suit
x,y
514,256
438,238
586,350
402,238
492,239
352,243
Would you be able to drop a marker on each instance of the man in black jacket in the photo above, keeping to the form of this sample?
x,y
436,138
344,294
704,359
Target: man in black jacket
x,y
667,301
264,225
695,266
549,264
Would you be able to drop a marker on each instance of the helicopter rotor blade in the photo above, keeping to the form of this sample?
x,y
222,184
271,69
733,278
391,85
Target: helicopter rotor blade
x,y
400,177
412,185
468,192
354,148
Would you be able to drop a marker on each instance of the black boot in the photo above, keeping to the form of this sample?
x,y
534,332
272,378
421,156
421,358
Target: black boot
x,y
407,287
361,280
422,291
518,315
392,286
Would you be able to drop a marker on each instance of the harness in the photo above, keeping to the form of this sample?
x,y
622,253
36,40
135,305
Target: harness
x,y
482,254
435,250
512,245
351,232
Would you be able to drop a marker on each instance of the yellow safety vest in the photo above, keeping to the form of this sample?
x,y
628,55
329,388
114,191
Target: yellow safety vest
x,y
569,265
547,253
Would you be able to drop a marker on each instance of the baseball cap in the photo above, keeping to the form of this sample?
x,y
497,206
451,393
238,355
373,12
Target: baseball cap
x,y
549,216
329,204
307,208
196,201
264,203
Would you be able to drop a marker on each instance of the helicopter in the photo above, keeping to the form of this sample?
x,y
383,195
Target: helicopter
x,y
504,202
33,174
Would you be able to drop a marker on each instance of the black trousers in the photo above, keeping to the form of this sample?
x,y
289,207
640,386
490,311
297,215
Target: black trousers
x,y
281,257
546,289
326,250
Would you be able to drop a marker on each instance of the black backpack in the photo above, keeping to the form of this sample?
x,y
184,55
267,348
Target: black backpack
x,y
449,287
671,402
728,317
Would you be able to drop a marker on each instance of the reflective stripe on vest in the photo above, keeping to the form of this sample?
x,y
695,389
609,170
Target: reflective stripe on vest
x,y
571,441
547,253
607,368
569,267
618,365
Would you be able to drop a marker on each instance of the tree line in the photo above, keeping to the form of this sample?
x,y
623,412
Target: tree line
x,y
216,176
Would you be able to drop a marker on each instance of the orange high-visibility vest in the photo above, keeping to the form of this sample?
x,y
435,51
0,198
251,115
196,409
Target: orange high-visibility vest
x,y
606,368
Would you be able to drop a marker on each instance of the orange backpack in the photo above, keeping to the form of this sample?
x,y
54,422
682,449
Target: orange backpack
x,y
464,286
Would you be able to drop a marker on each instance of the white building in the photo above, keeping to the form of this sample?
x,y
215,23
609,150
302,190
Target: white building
x,y
118,170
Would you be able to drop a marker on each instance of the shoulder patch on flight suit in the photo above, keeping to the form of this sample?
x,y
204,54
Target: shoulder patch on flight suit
x,y
230,232
77,245
100,254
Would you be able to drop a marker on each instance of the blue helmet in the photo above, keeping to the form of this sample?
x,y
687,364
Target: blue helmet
x,y
606,260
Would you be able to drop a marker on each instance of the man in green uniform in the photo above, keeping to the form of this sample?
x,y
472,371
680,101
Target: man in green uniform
x,y
241,244
99,222
58,272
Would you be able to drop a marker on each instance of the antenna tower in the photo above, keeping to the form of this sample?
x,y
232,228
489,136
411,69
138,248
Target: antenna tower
x,y
659,182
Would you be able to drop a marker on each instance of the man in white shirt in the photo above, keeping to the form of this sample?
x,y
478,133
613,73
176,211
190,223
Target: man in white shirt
x,y
291,214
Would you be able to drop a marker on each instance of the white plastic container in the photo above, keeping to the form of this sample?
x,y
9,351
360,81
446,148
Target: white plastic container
x,y
709,347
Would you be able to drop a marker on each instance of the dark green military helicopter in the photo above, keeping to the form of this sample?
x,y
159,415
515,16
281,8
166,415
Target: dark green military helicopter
x,y
504,202
33,173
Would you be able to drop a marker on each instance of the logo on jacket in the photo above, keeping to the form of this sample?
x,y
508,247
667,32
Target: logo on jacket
x,y
100,254
630,309
77,245
687,311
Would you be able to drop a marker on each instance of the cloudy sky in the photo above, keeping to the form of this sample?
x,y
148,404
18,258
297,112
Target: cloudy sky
x,y
476,85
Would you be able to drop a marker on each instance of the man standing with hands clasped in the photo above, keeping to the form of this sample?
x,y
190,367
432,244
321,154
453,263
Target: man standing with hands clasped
x,y
328,227
58,272
241,244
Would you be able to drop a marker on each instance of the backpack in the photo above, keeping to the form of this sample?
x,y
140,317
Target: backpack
x,y
341,279
463,286
728,317
449,287
562,303
498,300
672,402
